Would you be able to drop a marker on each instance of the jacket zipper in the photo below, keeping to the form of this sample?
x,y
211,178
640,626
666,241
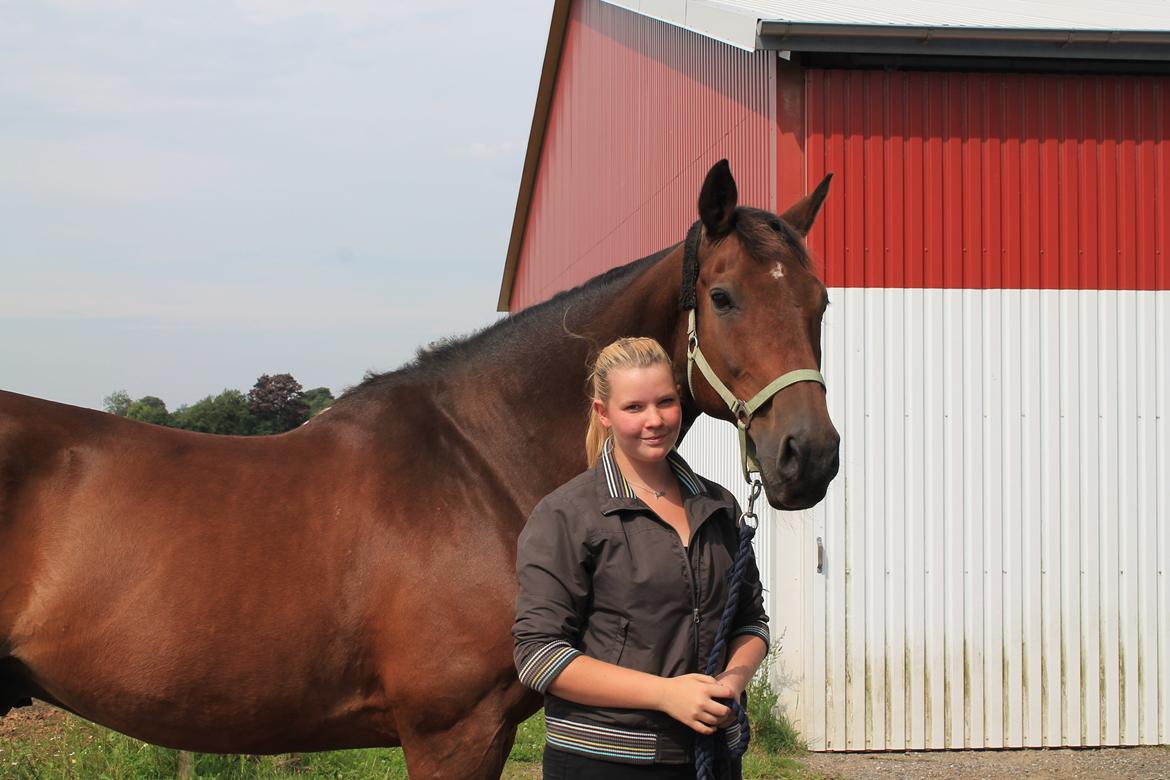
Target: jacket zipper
x,y
696,617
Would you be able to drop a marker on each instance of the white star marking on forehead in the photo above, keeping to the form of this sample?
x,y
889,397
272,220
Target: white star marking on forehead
x,y
778,271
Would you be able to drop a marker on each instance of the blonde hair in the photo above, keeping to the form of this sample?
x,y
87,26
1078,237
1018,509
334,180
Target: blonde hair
x,y
639,352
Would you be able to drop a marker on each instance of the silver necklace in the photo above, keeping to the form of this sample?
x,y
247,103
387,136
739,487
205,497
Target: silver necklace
x,y
657,493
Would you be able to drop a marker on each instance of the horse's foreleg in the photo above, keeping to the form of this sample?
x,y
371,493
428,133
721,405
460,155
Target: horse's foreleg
x,y
475,746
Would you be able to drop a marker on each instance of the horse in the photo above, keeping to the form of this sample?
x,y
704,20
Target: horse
x,y
351,583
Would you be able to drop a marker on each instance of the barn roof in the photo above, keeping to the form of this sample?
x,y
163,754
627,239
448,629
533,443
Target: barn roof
x,y
1135,30
1055,28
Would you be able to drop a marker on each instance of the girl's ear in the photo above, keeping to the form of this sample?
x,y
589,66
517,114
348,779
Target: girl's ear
x,y
599,410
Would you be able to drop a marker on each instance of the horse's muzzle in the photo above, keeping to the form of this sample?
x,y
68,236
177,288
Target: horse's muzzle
x,y
797,473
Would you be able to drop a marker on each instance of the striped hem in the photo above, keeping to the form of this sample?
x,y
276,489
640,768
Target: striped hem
x,y
754,629
619,487
545,664
635,747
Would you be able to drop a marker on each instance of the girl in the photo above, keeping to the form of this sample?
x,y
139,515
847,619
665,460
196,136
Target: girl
x,y
622,581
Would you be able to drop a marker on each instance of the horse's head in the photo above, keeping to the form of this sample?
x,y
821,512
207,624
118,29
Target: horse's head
x,y
758,308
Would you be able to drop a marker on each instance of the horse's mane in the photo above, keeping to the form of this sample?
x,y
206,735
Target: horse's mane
x,y
762,233
508,333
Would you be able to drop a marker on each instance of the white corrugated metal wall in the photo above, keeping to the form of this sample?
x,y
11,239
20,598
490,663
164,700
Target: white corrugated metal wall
x,y
996,544
997,541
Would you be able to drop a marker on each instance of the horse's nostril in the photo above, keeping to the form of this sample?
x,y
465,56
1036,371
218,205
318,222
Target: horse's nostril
x,y
791,458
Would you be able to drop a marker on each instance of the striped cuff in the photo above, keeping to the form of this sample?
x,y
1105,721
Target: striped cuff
x,y
545,664
759,629
732,734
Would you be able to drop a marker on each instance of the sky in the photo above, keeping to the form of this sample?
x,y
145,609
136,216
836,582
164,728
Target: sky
x,y
194,194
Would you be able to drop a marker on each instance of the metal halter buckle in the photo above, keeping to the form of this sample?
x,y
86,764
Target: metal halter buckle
x,y
743,415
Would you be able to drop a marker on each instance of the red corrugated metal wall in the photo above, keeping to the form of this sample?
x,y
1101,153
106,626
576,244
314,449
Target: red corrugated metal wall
x,y
641,111
961,180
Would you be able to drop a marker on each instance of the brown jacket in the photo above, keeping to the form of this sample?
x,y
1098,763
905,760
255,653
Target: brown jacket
x,y
602,575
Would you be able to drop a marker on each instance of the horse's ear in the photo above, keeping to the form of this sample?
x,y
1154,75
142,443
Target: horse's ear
x,y
717,200
803,213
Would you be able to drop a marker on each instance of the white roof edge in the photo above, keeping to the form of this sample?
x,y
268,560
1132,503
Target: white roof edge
x,y
713,20
828,25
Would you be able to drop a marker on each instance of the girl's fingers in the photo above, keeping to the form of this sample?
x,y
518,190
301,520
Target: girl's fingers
x,y
716,709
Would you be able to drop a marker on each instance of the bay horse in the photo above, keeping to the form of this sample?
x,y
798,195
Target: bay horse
x,y
351,583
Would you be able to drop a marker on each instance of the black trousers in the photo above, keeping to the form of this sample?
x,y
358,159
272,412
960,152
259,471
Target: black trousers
x,y
559,765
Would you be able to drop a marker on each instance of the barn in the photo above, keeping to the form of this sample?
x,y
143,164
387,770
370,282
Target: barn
x,y
990,567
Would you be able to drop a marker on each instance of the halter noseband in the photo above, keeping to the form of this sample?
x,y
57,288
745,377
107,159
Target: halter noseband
x,y
741,410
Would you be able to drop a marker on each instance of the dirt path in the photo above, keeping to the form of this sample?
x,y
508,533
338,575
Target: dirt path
x,y
1136,763
39,720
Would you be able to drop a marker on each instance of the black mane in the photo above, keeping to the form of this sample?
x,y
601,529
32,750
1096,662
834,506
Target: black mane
x,y
497,339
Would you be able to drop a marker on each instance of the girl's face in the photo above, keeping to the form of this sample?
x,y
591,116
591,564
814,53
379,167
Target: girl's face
x,y
643,412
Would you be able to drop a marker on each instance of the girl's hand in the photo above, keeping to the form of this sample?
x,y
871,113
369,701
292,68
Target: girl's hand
x,y
727,719
691,700
733,680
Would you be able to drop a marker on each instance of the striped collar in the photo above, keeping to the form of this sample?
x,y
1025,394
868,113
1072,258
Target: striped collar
x,y
618,487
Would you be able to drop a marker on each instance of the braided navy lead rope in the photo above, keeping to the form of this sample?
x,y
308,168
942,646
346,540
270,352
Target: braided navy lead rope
x,y
705,744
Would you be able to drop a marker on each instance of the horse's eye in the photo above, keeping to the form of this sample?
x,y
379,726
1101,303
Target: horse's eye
x,y
721,300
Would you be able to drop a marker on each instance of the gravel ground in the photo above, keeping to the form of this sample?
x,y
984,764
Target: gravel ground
x,y
1135,763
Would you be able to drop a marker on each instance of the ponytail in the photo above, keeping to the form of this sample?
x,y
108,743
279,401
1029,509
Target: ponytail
x,y
640,352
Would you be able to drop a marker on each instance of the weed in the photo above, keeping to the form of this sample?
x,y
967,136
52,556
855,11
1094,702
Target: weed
x,y
772,732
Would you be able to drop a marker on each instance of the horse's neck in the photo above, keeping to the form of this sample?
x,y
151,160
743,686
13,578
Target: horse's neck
x,y
527,402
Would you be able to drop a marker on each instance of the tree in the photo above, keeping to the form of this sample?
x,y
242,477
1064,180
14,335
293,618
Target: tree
x,y
117,402
149,409
278,403
226,413
319,399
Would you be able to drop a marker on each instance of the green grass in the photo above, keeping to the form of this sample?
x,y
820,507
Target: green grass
x,y
79,749
771,733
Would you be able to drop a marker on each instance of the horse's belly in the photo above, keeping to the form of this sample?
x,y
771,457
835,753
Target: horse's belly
x,y
261,699
243,659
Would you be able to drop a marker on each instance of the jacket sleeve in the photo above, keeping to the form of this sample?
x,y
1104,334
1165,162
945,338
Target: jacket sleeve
x,y
555,583
750,618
